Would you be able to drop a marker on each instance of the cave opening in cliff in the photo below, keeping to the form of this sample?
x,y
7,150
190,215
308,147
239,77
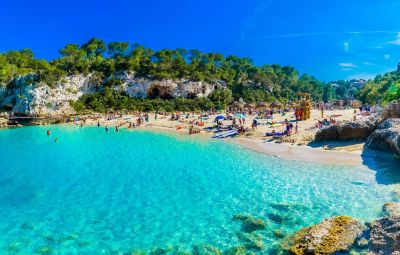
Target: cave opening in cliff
x,y
154,93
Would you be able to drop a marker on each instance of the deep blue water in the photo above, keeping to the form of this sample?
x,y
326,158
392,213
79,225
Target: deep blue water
x,y
94,192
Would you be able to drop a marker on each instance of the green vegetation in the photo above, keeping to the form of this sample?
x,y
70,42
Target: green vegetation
x,y
112,99
383,89
243,78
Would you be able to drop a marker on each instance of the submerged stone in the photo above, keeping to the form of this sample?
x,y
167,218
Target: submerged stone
x,y
237,250
206,249
45,250
249,223
251,241
333,235
278,233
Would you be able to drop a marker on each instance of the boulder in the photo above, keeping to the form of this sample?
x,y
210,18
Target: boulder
x,y
386,137
392,110
346,131
336,234
327,133
385,236
391,210
249,223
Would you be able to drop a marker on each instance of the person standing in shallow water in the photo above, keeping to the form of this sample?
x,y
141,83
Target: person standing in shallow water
x,y
106,128
48,132
116,129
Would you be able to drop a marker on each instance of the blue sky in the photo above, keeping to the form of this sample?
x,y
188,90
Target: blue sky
x,y
331,40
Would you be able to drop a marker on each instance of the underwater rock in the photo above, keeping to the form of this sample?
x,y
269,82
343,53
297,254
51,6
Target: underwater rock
x,y
237,250
45,250
249,223
251,241
27,226
286,207
278,233
336,234
135,252
206,249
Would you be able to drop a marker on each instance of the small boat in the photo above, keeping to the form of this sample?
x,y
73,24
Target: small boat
x,y
225,134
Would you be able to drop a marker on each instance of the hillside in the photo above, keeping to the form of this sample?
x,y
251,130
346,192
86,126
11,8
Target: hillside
x,y
98,77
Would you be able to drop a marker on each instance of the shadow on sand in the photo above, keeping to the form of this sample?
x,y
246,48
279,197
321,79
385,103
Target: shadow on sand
x,y
386,166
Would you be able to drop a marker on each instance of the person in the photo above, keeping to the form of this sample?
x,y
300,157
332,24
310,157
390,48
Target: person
x,y
48,132
106,128
98,123
55,140
116,129
254,125
322,112
297,128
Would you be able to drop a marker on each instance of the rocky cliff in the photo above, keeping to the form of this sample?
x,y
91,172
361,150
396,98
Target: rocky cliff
x,y
27,97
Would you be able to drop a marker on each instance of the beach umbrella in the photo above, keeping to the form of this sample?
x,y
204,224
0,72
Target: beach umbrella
x,y
276,105
219,117
250,106
237,105
262,105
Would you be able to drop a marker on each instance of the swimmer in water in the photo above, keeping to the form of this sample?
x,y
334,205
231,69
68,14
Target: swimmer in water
x,y
56,140
48,132
106,129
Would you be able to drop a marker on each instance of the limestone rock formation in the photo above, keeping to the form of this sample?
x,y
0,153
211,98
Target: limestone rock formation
x,y
27,97
333,235
386,137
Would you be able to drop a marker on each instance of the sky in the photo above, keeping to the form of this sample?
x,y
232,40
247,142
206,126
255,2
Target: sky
x,y
331,40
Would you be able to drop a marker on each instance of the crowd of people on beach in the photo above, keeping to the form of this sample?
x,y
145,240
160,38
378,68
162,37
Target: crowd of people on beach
x,y
232,119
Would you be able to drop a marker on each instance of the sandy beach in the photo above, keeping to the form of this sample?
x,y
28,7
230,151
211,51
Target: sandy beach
x,y
298,146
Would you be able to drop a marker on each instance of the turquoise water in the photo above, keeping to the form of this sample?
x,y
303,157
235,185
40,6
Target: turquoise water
x,y
94,192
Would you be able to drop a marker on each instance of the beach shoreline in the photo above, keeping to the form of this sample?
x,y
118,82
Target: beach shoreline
x,y
299,146
281,150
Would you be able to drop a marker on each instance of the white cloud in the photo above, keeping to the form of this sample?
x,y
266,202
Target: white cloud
x,y
368,63
397,41
365,76
346,46
347,65
386,56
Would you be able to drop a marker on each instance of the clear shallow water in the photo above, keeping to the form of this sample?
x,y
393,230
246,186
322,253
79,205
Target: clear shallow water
x,y
94,192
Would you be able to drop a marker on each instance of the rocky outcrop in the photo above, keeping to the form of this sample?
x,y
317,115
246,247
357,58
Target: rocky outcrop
x,y
347,131
143,87
391,210
386,137
333,235
27,97
392,110
385,232
41,99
